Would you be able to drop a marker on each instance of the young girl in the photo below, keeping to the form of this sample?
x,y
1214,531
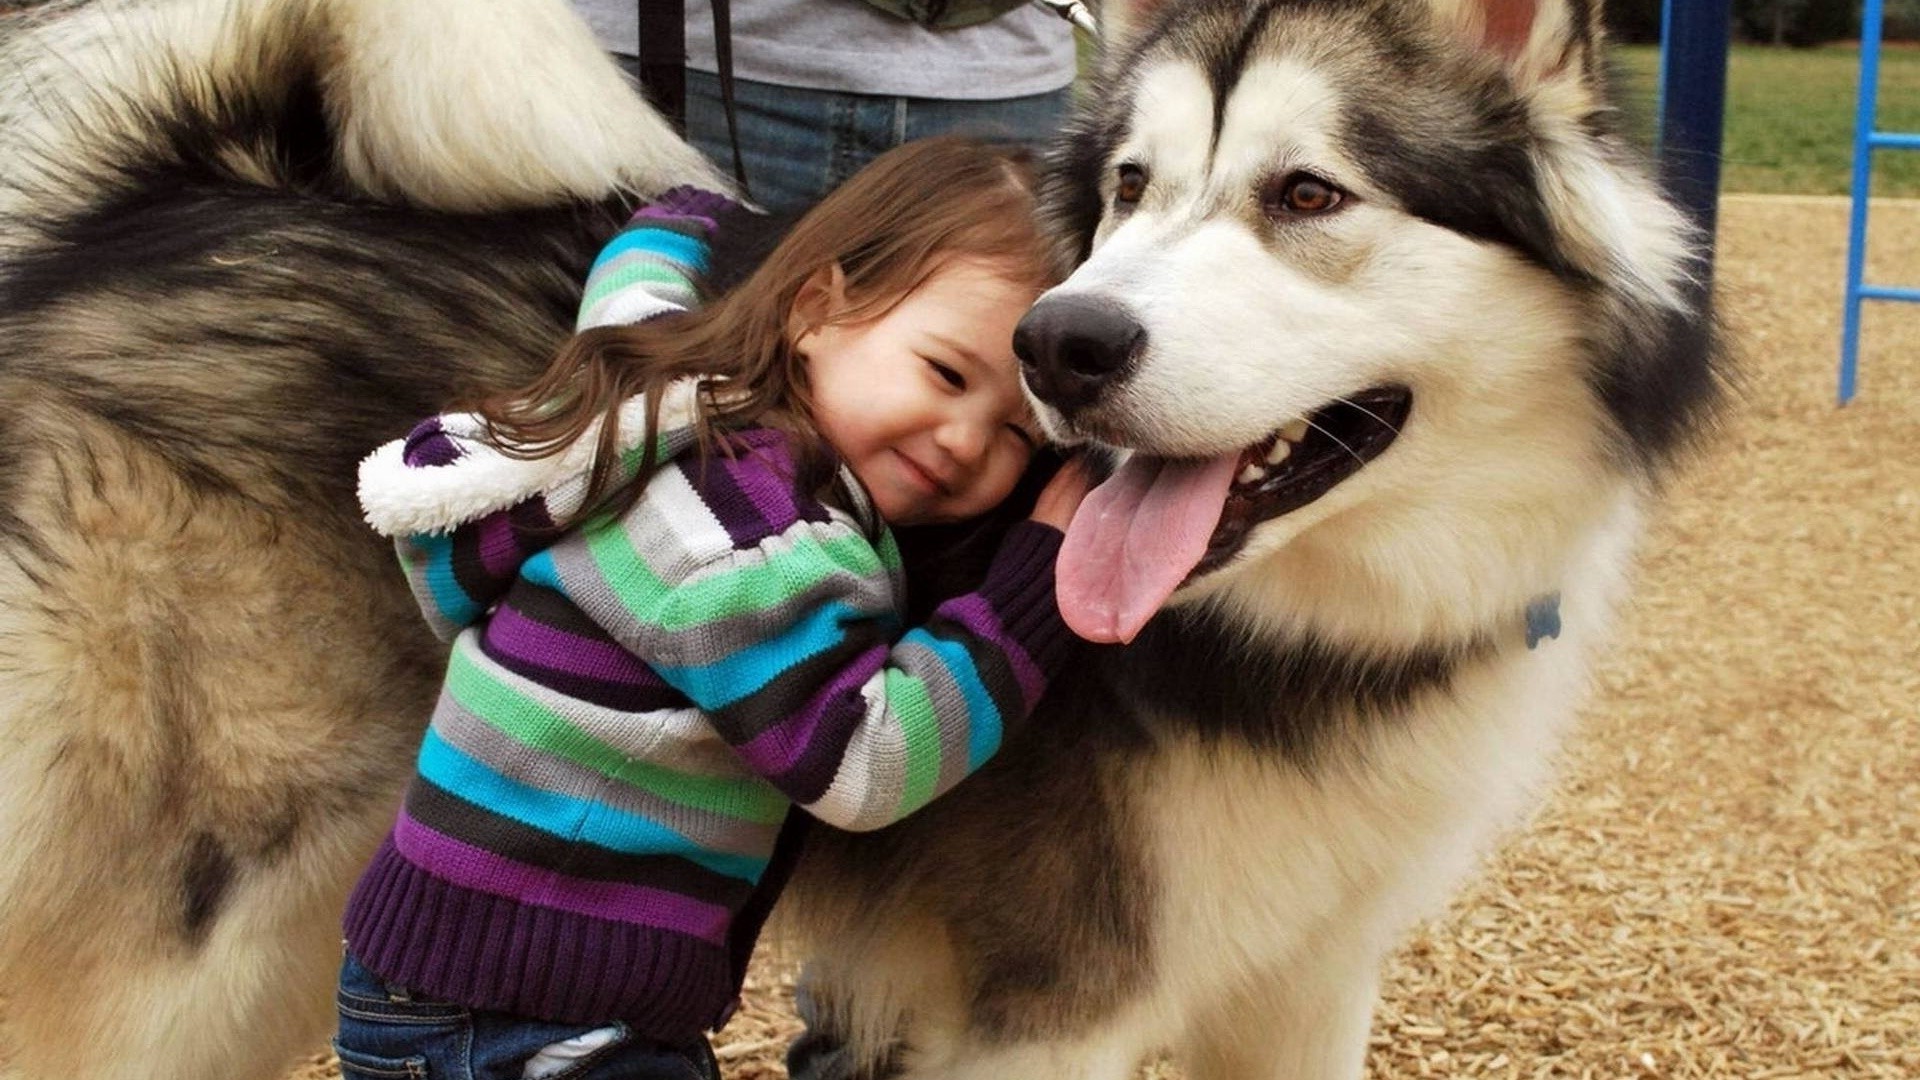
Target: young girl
x,y
676,604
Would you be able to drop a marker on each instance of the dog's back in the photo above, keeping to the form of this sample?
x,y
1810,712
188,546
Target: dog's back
x,y
238,255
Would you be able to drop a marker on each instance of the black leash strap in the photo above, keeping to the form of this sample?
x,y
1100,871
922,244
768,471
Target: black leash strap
x,y
723,57
663,67
663,58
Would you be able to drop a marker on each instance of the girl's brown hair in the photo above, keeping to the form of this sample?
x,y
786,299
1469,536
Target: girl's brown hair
x,y
888,228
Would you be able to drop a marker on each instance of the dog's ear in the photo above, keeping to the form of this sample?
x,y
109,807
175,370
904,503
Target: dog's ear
x,y
1546,46
1120,20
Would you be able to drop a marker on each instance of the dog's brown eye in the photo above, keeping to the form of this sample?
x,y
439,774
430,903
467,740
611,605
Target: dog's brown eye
x,y
1299,195
1132,185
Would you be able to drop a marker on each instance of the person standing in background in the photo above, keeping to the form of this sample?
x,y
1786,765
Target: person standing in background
x,y
822,87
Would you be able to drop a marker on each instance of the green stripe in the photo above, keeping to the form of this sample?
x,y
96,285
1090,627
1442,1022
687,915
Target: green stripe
x,y
889,550
654,271
762,585
908,700
542,729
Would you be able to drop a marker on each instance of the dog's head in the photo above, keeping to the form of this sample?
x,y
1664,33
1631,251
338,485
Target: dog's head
x,y
1370,291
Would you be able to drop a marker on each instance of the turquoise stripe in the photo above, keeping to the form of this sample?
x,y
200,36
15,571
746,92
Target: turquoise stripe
x,y
742,674
566,817
454,604
655,241
984,728
540,570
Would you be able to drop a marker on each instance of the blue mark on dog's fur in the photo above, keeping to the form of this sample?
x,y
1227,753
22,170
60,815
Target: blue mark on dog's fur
x,y
1543,619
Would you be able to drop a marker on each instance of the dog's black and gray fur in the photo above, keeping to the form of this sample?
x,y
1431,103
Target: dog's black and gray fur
x,y
242,243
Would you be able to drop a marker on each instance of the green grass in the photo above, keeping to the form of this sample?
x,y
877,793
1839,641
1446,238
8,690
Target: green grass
x,y
1790,117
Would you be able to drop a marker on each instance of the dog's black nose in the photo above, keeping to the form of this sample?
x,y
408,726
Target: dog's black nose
x,y
1073,347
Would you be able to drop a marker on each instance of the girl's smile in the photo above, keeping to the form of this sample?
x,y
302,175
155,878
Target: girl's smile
x,y
924,402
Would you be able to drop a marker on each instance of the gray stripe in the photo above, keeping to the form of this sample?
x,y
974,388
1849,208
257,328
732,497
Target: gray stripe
x,y
865,793
514,759
706,642
679,739
950,709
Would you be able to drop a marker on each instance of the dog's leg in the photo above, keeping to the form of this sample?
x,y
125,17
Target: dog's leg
x,y
1307,1023
1113,1053
924,1032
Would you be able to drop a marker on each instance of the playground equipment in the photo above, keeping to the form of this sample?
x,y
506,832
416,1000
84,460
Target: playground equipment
x,y
1693,103
1865,141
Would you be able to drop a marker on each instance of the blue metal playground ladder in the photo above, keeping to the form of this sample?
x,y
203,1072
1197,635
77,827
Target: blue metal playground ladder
x,y
1865,141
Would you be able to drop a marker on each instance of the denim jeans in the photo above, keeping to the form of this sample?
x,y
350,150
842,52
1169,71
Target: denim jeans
x,y
799,144
387,1033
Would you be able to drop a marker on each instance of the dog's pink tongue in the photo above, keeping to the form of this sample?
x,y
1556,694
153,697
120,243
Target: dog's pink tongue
x,y
1135,539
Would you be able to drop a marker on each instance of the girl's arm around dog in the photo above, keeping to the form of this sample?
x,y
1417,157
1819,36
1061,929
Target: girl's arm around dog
x,y
779,617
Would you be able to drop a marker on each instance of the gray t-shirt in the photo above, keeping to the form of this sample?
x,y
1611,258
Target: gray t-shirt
x,y
848,45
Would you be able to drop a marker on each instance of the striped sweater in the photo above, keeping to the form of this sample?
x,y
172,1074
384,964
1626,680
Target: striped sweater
x,y
631,709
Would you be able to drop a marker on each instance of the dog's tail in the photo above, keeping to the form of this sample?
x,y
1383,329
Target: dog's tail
x,y
440,104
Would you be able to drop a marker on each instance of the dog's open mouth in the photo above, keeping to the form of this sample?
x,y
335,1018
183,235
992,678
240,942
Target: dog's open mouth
x,y
1158,522
1303,461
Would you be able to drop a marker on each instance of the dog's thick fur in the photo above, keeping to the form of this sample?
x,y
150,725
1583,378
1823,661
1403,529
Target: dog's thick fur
x,y
245,243
1208,839
242,243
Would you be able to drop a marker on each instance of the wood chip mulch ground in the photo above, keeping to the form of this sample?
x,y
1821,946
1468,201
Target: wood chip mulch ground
x,y
1726,882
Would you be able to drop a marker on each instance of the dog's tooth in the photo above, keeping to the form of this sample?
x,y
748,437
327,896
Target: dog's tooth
x,y
1294,431
1251,474
1278,452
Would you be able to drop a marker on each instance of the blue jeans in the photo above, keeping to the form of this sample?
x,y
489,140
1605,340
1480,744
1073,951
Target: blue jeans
x,y
388,1034
799,144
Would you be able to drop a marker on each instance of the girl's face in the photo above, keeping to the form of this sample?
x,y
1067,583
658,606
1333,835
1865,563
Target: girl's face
x,y
924,403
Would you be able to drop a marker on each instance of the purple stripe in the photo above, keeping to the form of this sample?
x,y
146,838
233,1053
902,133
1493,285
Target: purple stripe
x,y
974,613
515,635
614,683
749,486
607,695
763,442
687,201
770,494
428,446
778,750
713,480
495,543
484,871
658,213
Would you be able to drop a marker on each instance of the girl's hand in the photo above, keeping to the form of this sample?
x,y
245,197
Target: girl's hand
x,y
1062,495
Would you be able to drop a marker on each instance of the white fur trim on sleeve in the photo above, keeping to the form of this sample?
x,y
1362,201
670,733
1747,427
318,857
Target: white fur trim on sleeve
x,y
398,499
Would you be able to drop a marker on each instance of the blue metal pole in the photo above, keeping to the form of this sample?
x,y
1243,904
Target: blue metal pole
x,y
1660,77
1693,103
1863,143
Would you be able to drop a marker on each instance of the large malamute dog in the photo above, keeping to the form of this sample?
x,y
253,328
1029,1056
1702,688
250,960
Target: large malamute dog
x,y
1392,333
1374,293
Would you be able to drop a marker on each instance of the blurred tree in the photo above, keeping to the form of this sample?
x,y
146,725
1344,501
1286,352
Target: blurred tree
x,y
1903,20
1636,21
1799,23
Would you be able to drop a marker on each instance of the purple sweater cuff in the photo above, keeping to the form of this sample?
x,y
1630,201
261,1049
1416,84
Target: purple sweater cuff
x,y
1019,585
688,202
